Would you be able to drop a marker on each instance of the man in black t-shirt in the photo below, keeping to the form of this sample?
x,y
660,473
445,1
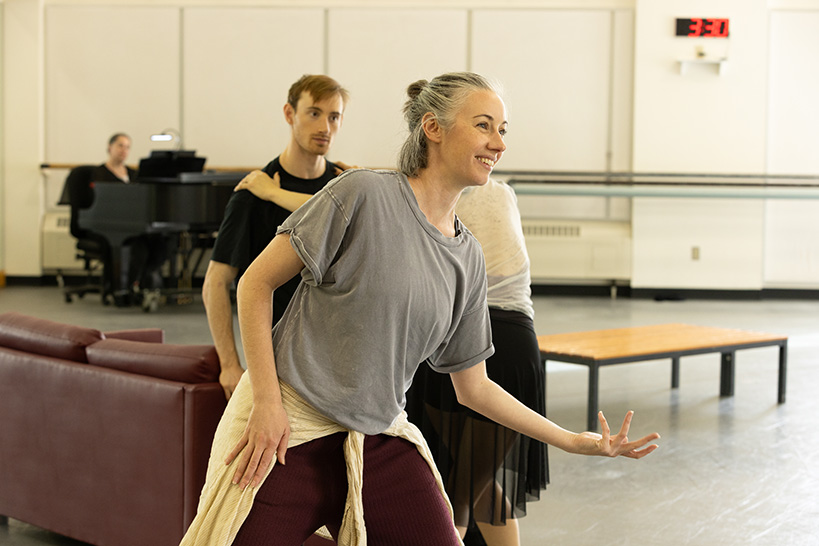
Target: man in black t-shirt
x,y
263,200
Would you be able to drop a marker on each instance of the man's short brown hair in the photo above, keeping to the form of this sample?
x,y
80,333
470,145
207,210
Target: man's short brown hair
x,y
319,86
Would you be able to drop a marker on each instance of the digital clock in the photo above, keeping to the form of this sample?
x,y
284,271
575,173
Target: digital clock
x,y
697,27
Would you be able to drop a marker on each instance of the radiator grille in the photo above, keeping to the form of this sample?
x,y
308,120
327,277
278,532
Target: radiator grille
x,y
550,230
587,250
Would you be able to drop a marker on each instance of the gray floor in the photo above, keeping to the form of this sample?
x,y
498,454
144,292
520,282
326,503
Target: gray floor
x,y
729,471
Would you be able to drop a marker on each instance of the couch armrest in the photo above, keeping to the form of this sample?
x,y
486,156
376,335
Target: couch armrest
x,y
151,335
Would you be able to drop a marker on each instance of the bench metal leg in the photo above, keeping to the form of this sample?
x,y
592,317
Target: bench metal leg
x,y
783,368
675,372
726,380
594,383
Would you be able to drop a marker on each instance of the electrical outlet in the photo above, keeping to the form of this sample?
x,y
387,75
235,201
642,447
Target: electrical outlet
x,y
695,253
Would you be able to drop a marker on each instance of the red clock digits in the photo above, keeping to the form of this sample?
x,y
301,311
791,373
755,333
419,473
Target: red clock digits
x,y
695,27
716,28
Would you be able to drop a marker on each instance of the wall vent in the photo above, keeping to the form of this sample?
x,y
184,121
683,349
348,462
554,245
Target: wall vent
x,y
59,251
578,250
550,230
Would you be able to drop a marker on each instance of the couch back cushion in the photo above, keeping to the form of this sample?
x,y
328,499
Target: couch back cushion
x,y
183,363
154,335
45,337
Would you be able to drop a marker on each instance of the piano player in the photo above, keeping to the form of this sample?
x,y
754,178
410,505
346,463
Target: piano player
x,y
143,255
115,169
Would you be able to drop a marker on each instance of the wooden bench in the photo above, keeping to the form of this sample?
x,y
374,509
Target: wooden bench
x,y
621,345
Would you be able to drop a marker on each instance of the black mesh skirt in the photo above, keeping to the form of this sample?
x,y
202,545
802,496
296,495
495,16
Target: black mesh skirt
x,y
490,471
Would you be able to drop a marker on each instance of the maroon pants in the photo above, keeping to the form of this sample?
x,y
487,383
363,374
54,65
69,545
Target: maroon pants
x,y
402,503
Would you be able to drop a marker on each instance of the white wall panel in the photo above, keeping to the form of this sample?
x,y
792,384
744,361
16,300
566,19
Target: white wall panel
x,y
697,243
22,143
554,66
109,69
792,227
238,66
700,121
622,90
793,116
376,54
792,244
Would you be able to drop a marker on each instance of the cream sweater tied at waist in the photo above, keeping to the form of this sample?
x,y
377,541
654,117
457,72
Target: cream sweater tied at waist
x,y
224,506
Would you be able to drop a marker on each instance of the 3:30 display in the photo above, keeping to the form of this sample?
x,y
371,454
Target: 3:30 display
x,y
702,27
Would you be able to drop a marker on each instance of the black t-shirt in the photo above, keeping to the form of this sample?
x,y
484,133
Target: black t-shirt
x,y
103,174
250,224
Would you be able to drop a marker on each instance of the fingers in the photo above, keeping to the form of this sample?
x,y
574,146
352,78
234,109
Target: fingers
x,y
255,467
631,446
251,177
632,449
626,424
236,450
604,425
281,449
620,445
243,182
265,438
640,453
261,468
250,466
255,458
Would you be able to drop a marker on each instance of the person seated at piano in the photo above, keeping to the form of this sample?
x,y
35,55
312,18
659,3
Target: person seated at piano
x,y
314,111
145,255
115,169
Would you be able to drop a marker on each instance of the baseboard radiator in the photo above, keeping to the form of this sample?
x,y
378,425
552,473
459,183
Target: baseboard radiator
x,y
569,250
59,247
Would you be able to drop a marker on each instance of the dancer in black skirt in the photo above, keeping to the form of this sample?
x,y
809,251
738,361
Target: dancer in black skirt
x,y
490,471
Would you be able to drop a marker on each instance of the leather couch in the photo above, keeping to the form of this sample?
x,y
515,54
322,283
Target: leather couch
x,y
104,437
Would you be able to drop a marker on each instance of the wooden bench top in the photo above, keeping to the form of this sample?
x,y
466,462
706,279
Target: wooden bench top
x,y
648,340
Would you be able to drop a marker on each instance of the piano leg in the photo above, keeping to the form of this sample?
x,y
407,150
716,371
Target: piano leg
x,y
120,265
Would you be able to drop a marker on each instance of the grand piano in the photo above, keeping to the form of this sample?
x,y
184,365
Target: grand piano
x,y
188,205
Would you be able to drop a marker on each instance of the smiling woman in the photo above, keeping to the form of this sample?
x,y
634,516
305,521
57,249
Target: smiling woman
x,y
440,105
390,279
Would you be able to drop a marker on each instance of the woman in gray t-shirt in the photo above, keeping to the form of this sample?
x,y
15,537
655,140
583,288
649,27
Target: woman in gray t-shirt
x,y
390,278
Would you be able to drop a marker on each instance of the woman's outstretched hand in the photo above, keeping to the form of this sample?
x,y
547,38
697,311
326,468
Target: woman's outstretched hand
x,y
607,445
265,437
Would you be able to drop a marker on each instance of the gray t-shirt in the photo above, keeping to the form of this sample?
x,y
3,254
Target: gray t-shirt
x,y
382,291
